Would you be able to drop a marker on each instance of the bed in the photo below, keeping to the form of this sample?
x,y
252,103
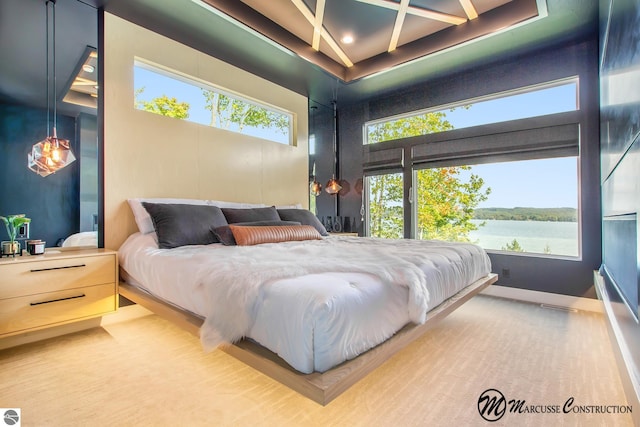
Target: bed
x,y
315,313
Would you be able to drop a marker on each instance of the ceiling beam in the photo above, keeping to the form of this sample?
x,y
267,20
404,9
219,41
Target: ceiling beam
x,y
302,7
469,9
317,24
417,11
395,35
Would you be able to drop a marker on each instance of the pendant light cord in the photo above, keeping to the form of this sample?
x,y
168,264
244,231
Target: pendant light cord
x,y
47,57
53,43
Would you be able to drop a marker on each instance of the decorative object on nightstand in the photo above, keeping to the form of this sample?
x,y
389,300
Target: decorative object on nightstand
x,y
55,288
16,225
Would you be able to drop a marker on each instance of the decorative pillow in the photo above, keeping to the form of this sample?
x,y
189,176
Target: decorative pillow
x,y
225,235
255,235
251,215
304,217
140,214
180,225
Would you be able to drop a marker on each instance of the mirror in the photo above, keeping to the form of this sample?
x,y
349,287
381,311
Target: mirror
x,y
63,206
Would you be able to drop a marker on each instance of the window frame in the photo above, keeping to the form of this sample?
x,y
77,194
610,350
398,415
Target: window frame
x,y
559,134
202,84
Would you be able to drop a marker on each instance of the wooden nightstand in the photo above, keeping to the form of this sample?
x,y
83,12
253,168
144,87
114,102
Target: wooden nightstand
x,y
61,286
331,233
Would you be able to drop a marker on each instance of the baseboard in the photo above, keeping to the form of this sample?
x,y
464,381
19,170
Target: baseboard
x,y
629,375
546,298
123,314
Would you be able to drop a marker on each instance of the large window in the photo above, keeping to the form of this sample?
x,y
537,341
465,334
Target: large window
x,y
170,94
509,184
527,206
535,101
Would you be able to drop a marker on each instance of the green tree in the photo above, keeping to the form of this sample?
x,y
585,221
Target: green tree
x,y
514,246
163,105
445,202
385,206
226,111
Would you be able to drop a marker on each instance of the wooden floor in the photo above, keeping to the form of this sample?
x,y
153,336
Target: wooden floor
x,y
320,387
148,372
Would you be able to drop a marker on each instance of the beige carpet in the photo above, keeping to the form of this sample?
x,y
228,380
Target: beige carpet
x,y
146,372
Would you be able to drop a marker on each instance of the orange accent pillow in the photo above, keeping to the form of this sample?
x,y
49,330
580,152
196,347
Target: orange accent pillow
x,y
246,235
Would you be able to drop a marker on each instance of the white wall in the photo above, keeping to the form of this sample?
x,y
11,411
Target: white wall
x,y
148,155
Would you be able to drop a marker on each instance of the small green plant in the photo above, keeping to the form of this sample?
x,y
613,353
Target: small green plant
x,y
13,223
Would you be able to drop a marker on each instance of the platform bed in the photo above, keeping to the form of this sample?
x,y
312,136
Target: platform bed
x,y
320,387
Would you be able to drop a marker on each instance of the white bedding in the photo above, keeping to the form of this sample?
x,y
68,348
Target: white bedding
x,y
314,303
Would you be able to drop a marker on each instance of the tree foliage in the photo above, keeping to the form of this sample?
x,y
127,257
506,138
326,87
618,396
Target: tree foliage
x,y
514,246
163,105
528,214
445,202
226,111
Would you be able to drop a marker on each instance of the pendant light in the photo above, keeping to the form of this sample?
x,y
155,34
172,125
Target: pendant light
x,y
333,187
315,188
52,153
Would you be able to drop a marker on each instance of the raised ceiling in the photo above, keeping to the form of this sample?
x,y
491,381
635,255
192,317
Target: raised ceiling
x,y
22,42
352,39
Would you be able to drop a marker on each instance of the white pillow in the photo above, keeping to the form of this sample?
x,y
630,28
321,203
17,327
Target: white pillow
x,y
296,206
142,217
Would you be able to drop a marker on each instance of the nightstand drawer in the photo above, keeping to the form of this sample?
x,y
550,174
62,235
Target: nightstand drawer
x,y
29,278
47,309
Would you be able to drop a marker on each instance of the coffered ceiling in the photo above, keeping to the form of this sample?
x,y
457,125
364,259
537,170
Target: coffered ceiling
x,y
355,38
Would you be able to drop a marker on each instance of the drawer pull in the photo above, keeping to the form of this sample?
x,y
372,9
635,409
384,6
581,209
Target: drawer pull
x,y
59,299
58,268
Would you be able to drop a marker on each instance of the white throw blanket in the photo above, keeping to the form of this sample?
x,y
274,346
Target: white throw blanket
x,y
233,285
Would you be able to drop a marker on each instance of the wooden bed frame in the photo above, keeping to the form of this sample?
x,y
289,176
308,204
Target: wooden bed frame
x,y
320,387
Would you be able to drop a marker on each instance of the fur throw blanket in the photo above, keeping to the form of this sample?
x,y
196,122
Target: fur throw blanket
x,y
233,283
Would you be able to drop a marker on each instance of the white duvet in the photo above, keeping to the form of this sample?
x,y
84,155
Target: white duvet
x,y
314,303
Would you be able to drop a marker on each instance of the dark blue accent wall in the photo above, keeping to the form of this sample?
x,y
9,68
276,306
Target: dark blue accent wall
x,y
620,154
51,202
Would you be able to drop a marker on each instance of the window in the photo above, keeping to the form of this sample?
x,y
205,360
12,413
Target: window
x,y
509,184
552,98
527,206
385,216
169,94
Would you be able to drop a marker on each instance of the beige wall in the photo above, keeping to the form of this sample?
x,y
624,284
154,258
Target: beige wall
x,y
148,155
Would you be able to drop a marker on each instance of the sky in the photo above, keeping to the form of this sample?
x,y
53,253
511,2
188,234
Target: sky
x,y
544,183
531,183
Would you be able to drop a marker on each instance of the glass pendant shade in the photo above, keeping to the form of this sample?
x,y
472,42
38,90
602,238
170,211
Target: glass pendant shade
x,y
315,188
332,186
49,155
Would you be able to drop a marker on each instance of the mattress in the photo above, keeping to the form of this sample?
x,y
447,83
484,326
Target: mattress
x,y
322,312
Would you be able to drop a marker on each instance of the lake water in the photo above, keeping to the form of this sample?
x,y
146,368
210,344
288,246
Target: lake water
x,y
533,236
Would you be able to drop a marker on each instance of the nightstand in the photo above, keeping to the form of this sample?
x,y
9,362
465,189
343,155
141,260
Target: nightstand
x,y
331,233
58,287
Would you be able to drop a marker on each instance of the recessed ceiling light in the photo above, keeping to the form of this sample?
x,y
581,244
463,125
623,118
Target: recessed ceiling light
x,y
88,68
347,39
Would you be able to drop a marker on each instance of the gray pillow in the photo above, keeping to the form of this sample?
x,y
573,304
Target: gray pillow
x,y
304,217
225,235
181,225
235,215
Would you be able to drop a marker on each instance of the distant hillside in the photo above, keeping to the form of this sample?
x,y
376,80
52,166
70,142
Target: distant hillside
x,y
527,214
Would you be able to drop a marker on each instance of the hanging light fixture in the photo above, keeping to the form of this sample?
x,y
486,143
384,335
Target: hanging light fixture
x,y
52,153
333,187
315,188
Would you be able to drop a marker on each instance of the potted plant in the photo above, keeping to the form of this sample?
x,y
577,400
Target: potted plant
x,y
13,224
